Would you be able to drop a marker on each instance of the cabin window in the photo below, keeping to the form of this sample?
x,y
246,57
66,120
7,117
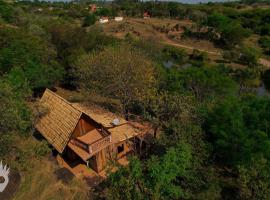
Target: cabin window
x,y
120,148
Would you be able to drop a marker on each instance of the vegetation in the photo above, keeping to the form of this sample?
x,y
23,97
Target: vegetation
x,y
131,78
211,128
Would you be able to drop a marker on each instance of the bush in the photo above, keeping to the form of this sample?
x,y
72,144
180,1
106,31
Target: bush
x,y
249,56
89,20
30,57
265,44
6,11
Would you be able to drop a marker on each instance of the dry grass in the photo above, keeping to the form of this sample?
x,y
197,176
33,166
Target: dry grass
x,y
41,184
144,28
90,98
39,181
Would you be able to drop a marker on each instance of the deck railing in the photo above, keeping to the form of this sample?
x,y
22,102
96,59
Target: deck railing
x,y
95,147
100,144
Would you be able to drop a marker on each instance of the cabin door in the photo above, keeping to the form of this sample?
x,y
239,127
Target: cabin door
x,y
93,163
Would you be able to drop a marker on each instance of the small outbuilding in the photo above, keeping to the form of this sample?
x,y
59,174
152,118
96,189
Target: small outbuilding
x,y
118,19
104,20
146,15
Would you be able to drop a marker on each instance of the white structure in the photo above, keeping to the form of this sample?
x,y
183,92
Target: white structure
x,y
118,19
104,20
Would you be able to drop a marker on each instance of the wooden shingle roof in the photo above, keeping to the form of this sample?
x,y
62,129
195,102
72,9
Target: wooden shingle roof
x,y
125,130
59,122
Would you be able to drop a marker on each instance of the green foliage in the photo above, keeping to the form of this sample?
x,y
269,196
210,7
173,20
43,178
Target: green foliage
x,y
14,112
254,180
127,180
157,178
257,20
15,116
30,57
175,54
237,131
89,20
265,44
266,79
210,142
231,32
249,56
204,83
42,149
162,174
131,74
103,12
6,11
71,42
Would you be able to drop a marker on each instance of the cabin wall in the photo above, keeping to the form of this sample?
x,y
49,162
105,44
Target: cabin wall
x,y
98,161
82,127
121,149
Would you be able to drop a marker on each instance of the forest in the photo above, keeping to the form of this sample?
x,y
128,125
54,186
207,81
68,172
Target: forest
x,y
211,122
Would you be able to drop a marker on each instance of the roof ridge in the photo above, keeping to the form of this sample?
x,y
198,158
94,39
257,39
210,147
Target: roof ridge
x,y
63,99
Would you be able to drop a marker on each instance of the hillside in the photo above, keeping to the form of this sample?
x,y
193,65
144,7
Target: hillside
x,y
172,102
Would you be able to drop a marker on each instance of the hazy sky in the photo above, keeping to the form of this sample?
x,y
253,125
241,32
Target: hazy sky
x,y
182,1
197,1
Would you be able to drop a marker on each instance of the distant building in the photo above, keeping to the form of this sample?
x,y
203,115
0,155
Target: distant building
x,y
104,20
146,15
118,19
93,8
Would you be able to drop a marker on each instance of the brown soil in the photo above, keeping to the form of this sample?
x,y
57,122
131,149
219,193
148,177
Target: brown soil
x,y
64,175
145,28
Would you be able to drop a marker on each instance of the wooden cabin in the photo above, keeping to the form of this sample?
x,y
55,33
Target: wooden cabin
x,y
89,134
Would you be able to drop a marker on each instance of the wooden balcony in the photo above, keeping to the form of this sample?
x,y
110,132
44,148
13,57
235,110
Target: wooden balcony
x,y
93,141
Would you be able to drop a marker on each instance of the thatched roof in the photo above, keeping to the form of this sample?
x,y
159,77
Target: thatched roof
x,y
125,130
59,122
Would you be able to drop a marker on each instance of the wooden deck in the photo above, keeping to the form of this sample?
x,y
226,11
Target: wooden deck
x,y
85,150
91,177
82,171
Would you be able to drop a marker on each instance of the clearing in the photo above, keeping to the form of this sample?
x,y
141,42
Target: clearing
x,y
167,31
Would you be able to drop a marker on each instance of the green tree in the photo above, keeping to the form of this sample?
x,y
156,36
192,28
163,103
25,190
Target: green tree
x,y
6,11
231,32
265,44
249,56
131,75
15,116
89,20
30,55
205,83
237,132
254,179
156,178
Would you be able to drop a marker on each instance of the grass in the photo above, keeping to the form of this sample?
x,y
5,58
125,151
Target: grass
x,y
40,182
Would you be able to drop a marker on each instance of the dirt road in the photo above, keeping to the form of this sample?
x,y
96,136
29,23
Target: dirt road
x,y
264,62
192,48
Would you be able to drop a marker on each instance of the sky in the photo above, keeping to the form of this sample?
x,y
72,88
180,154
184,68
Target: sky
x,y
198,1
182,1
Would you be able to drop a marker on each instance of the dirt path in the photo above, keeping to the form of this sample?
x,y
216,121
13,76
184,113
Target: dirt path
x,y
261,61
192,48
264,62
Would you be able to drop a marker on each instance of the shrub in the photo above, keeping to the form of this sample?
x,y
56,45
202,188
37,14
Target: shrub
x,y
89,20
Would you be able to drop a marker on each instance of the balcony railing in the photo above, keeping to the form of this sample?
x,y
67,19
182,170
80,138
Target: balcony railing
x,y
94,147
100,144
